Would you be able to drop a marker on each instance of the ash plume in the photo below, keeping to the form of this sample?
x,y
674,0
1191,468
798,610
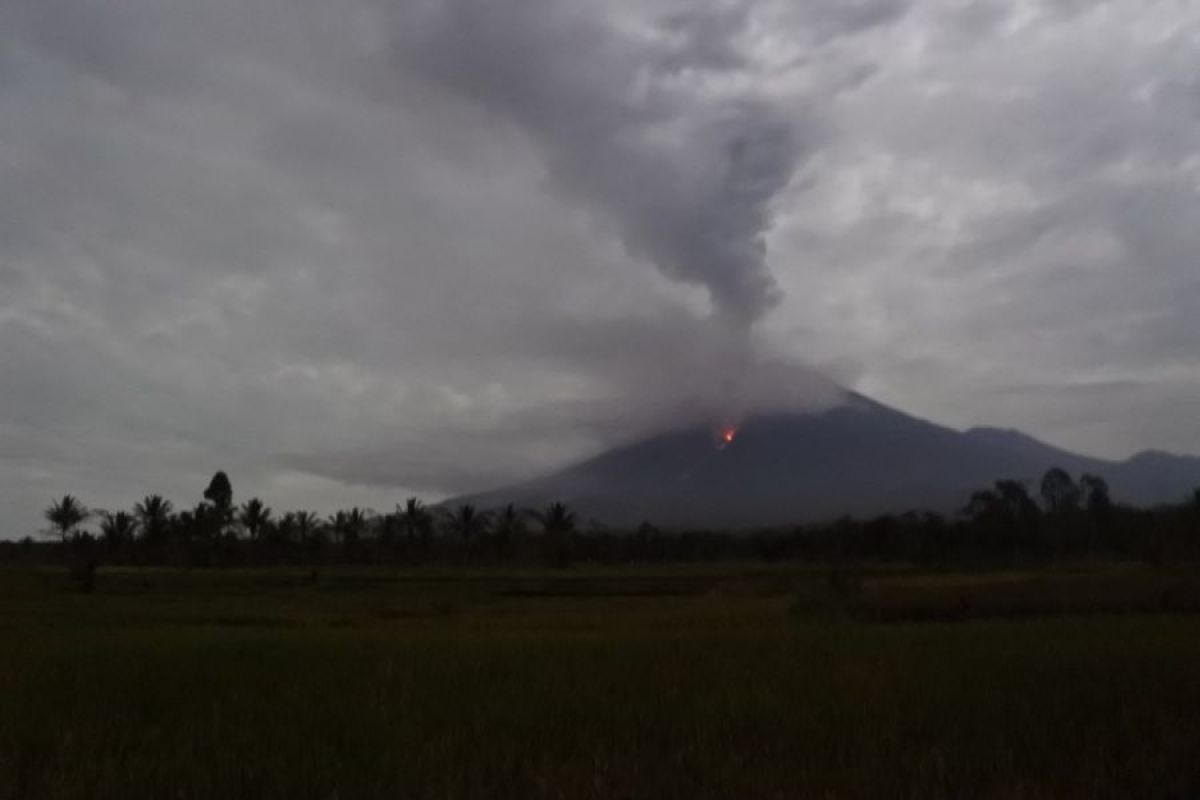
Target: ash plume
x,y
656,128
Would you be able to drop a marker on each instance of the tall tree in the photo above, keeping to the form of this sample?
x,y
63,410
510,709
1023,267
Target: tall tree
x,y
1059,492
416,520
1018,506
308,527
219,495
117,529
255,518
65,516
209,522
1095,494
467,522
388,529
285,530
220,492
558,523
154,517
348,526
1094,491
985,505
508,524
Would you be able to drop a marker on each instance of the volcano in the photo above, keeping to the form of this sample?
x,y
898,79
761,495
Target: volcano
x,y
860,458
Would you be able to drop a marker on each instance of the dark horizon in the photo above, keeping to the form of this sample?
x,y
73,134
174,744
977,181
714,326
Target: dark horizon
x,y
984,454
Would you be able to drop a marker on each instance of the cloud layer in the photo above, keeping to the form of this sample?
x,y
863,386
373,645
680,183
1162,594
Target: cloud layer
x,y
346,251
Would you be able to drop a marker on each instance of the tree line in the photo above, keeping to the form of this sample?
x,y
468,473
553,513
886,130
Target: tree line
x,y
1059,517
218,531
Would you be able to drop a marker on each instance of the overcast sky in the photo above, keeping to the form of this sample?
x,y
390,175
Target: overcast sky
x,y
347,250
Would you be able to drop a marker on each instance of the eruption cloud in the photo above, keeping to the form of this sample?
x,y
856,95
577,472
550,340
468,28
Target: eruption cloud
x,y
657,128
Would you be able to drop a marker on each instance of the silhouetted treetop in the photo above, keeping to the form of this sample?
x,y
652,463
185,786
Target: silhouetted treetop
x,y
65,516
117,528
1059,492
1095,494
255,518
220,492
154,516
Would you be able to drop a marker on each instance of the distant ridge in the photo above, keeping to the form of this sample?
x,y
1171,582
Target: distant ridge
x,y
860,458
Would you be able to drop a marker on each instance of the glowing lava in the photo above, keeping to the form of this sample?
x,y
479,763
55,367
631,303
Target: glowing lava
x,y
728,433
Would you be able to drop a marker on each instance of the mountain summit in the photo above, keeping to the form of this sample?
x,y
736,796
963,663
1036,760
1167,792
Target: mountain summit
x,y
860,458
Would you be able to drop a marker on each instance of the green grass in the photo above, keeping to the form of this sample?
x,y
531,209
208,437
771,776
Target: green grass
x,y
677,682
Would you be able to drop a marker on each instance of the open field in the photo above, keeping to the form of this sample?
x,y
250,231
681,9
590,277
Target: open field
x,y
715,681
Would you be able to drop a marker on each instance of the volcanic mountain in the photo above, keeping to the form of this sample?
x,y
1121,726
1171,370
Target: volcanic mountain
x,y
860,458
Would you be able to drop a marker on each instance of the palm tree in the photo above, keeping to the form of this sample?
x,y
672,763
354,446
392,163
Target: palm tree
x,y
66,515
308,526
508,524
348,526
357,523
255,517
118,528
154,517
284,531
387,527
466,521
415,519
557,518
558,523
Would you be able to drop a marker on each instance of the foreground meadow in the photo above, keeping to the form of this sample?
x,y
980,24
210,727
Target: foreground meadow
x,y
735,681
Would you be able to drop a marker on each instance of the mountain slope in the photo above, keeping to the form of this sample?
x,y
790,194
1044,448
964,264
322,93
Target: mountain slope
x,y
860,458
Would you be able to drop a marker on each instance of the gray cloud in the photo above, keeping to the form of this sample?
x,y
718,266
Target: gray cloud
x,y
660,130
350,250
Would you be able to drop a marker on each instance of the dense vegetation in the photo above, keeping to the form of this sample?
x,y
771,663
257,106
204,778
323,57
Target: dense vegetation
x,y
1062,518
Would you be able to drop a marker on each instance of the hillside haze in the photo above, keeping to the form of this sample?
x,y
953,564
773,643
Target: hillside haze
x,y
860,458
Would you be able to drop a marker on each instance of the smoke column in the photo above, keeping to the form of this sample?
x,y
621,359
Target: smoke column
x,y
654,126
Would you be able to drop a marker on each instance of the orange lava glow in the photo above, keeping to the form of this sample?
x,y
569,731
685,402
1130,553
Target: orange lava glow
x,y
728,434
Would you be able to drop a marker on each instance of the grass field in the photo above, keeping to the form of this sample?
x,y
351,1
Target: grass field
x,y
730,682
